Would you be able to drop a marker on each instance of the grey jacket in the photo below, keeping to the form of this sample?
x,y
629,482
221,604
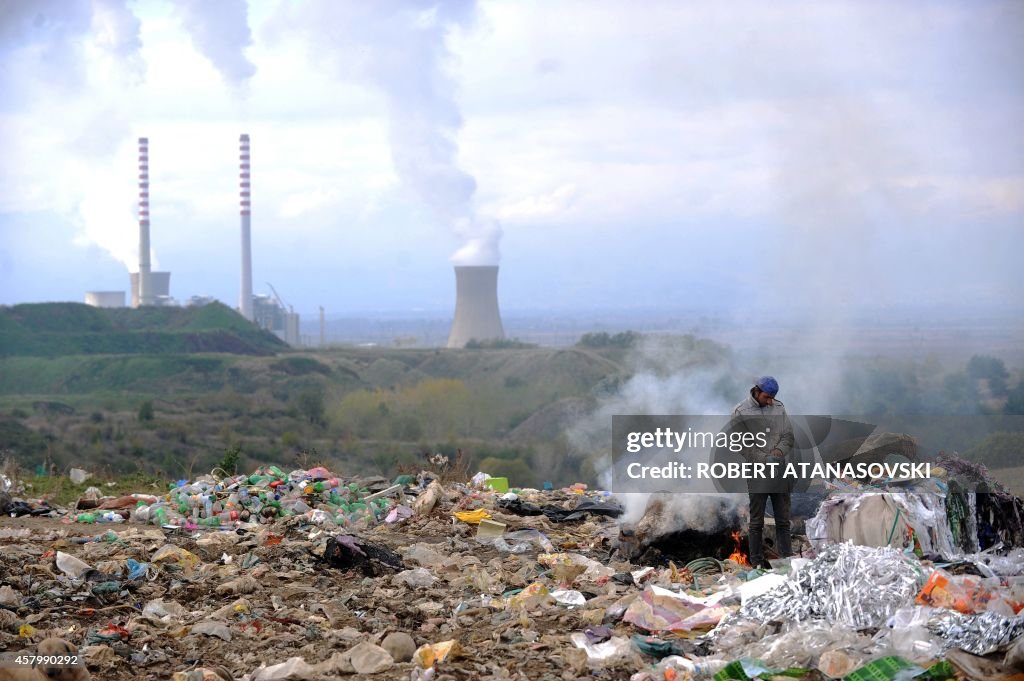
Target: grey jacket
x,y
749,416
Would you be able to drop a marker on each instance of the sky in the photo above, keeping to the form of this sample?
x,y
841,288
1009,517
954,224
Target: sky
x,y
744,157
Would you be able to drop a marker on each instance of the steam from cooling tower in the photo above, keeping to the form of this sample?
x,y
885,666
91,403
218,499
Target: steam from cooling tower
x,y
400,49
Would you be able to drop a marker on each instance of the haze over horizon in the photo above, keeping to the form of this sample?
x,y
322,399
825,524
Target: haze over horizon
x,y
840,158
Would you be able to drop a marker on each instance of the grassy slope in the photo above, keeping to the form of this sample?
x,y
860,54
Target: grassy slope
x,y
61,329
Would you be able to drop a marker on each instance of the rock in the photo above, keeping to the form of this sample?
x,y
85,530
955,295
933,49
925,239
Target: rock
x,y
399,645
99,656
9,597
425,555
418,578
242,585
211,628
367,658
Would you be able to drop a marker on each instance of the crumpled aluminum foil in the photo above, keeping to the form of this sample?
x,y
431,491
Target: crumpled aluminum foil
x,y
977,634
856,586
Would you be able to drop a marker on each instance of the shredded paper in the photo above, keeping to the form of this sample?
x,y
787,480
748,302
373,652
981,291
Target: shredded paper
x,y
858,586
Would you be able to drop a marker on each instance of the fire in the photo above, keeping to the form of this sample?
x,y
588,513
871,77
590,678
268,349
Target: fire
x,y
737,554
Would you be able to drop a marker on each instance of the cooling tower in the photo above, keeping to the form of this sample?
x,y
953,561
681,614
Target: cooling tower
x,y
145,287
476,306
245,295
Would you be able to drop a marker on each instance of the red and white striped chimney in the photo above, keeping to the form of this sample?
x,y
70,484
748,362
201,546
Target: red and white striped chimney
x,y
245,296
145,280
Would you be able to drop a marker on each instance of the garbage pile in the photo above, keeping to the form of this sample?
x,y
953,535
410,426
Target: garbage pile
x,y
311,575
959,509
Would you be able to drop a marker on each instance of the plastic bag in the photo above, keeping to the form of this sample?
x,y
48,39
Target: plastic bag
x,y
521,541
615,648
531,597
169,553
909,636
71,566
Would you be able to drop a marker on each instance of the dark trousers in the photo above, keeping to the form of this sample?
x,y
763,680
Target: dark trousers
x,y
780,509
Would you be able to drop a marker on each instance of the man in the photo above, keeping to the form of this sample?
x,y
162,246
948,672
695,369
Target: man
x,y
762,413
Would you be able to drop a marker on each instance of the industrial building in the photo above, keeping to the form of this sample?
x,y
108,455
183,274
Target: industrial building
x,y
477,315
104,298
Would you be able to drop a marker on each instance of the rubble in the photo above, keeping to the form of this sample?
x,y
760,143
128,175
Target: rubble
x,y
307,575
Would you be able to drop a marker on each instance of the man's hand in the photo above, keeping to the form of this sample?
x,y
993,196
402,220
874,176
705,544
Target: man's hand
x,y
777,452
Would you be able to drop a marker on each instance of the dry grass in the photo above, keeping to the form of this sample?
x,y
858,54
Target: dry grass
x,y
1011,478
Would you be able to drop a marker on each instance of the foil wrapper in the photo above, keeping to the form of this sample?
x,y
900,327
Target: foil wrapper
x,y
979,634
856,586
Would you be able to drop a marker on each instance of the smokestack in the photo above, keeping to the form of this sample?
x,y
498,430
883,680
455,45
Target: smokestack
x,y
476,306
145,282
323,328
245,296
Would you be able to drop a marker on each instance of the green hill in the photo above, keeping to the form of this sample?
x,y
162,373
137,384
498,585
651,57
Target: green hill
x,y
62,329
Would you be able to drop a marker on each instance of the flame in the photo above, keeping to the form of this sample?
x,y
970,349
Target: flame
x,y
737,554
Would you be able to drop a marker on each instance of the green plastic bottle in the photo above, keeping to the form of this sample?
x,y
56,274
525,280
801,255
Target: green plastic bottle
x,y
87,518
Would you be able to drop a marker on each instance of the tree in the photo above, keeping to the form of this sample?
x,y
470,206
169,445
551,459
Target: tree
x,y
991,369
1015,401
310,404
146,411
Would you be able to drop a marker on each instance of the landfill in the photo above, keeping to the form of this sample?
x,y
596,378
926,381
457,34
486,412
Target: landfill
x,y
310,574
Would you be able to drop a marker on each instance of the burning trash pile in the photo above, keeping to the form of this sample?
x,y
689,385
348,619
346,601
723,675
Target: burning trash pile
x,y
309,575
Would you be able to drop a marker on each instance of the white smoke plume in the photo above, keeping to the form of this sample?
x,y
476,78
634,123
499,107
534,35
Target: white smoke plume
x,y
49,48
220,32
399,47
687,375
670,375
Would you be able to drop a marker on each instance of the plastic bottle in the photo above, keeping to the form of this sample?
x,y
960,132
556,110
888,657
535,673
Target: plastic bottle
x,y
209,522
111,517
87,518
159,516
141,514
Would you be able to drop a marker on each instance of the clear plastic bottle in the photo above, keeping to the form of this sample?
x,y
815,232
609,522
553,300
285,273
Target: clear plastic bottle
x,y
141,514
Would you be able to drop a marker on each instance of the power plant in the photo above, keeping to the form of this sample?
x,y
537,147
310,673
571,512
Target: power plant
x,y
159,287
245,295
477,316
144,284
476,306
